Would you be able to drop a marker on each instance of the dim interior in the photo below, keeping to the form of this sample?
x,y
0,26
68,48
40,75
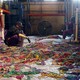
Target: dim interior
x,y
39,40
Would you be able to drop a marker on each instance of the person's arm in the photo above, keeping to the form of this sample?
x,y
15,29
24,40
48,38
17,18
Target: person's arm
x,y
24,36
12,36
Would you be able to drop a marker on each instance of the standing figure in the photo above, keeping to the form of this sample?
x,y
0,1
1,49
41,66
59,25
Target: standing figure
x,y
70,29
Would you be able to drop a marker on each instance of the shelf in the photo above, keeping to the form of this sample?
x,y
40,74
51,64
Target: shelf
x,y
4,11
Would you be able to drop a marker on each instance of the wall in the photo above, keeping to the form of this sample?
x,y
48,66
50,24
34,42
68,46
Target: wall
x,y
46,8
0,4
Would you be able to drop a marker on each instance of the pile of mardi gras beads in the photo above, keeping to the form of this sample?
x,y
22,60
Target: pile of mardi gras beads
x,y
63,53
21,74
53,75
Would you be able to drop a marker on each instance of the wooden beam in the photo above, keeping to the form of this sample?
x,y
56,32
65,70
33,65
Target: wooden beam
x,y
58,14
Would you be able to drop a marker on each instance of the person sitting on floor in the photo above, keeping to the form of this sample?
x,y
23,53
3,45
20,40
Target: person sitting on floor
x,y
15,35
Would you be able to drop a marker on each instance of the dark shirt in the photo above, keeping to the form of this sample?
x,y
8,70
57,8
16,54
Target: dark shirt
x,y
13,31
12,37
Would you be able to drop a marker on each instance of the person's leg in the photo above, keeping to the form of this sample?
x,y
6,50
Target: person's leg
x,y
13,41
64,34
67,33
20,43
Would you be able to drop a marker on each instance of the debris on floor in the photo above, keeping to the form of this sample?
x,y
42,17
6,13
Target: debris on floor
x,y
46,58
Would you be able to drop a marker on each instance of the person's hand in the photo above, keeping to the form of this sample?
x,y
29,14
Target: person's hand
x,y
28,40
